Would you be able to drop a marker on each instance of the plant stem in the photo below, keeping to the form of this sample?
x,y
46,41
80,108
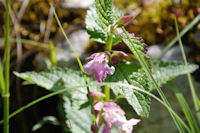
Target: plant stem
x,y
148,72
109,49
81,67
107,93
192,89
109,40
6,94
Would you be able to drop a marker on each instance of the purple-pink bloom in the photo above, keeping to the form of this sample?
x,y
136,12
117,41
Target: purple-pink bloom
x,y
114,115
98,64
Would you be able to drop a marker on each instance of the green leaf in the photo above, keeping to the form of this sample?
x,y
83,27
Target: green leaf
x,y
140,46
98,21
130,73
165,71
60,78
79,121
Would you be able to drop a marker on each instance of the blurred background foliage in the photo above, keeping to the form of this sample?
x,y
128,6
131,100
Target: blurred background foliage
x,y
155,22
34,20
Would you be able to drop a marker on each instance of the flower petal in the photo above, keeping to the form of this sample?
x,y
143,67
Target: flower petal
x,y
89,67
106,129
97,107
127,126
111,106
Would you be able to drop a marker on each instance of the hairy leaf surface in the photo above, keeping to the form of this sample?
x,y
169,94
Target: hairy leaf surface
x,y
165,71
60,78
79,121
133,74
130,73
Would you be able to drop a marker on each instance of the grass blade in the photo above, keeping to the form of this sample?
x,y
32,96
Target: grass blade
x,y
149,74
194,22
185,107
192,89
80,65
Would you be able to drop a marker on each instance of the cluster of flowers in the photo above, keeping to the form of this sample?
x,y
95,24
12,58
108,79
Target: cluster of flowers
x,y
112,115
108,113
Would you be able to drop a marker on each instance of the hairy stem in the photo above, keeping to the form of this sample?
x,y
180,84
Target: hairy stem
x,y
109,40
109,49
107,93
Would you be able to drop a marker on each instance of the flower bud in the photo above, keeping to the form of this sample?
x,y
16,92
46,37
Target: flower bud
x,y
119,55
95,95
125,20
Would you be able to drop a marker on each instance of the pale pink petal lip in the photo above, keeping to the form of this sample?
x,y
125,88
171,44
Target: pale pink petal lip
x,y
97,107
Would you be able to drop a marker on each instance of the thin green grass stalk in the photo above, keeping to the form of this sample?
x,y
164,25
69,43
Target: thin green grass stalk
x,y
2,81
81,67
97,84
37,44
148,72
26,41
192,89
185,30
185,107
6,93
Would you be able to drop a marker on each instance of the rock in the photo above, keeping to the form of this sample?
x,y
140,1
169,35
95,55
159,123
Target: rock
x,y
85,4
79,40
173,54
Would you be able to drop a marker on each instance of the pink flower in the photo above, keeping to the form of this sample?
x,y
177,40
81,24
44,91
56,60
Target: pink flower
x,y
125,20
111,106
114,115
98,64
